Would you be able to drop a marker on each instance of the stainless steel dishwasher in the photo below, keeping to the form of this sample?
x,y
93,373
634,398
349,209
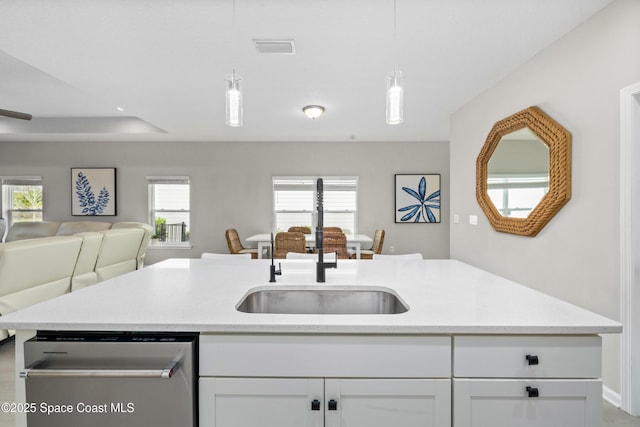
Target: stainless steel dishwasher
x,y
111,379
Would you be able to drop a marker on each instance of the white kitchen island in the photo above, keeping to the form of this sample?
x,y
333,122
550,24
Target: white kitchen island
x,y
473,349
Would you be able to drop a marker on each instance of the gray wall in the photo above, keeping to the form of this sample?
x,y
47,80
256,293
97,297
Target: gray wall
x,y
231,183
576,81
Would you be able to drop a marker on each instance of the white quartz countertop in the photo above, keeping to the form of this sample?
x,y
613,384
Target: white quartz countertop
x,y
443,296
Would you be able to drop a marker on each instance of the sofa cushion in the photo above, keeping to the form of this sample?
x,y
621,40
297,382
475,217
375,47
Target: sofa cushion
x,y
84,274
35,270
118,252
33,295
29,263
148,232
32,230
69,228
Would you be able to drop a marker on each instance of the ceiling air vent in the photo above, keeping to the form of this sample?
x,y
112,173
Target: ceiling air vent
x,y
274,46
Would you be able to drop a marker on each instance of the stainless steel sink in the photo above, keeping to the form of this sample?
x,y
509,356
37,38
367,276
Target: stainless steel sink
x,y
322,300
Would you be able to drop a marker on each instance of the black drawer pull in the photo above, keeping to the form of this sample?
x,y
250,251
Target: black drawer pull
x,y
315,405
532,392
333,405
533,360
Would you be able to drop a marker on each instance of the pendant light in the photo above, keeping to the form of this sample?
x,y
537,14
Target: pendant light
x,y
233,87
395,89
233,100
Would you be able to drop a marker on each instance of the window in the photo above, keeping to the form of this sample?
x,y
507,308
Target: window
x,y
21,199
294,201
169,206
516,196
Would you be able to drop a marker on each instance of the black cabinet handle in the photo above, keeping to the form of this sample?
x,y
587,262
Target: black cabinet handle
x,y
315,405
333,405
532,392
533,360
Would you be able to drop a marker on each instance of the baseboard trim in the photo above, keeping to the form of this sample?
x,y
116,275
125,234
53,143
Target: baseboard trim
x,y
611,396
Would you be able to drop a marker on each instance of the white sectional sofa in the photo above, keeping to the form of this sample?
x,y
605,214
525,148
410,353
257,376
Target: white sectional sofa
x,y
34,230
39,262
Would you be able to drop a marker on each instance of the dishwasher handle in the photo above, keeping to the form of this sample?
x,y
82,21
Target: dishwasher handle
x,y
166,373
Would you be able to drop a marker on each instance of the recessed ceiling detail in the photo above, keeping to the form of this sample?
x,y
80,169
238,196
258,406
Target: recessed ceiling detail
x,y
275,46
116,125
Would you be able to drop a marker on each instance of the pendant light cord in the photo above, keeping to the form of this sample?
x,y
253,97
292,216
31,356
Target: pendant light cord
x,y
233,38
395,43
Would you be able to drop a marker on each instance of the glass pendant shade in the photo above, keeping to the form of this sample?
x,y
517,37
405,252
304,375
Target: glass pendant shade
x,y
395,97
233,98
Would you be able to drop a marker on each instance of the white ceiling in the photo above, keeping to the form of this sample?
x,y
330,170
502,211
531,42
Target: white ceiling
x,y
71,63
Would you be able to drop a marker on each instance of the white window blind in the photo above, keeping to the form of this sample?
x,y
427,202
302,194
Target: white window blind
x,y
295,202
170,208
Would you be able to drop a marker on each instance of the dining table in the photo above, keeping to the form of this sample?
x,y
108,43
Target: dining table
x,y
354,241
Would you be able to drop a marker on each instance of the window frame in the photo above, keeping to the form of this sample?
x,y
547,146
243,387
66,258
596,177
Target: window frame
x,y
7,209
308,183
170,180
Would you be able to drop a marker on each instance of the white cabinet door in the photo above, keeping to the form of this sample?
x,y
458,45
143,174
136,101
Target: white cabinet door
x,y
507,403
387,402
316,402
268,402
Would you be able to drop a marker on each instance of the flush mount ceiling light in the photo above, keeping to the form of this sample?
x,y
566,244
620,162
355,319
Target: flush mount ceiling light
x,y
395,91
313,111
233,87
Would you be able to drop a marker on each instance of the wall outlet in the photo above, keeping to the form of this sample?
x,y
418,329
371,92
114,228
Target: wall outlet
x,y
392,249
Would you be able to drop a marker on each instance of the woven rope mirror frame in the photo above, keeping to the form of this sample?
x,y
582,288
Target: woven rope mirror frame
x,y
558,141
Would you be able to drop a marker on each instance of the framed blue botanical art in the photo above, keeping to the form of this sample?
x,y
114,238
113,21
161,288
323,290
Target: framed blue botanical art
x,y
417,198
93,191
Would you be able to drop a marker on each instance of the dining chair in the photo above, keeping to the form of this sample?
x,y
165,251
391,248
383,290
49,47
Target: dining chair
x,y
376,248
286,242
235,247
300,229
335,242
332,229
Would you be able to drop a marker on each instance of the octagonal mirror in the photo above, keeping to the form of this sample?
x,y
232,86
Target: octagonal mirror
x,y
523,173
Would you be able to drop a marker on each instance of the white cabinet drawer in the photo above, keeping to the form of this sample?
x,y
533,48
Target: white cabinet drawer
x,y
566,403
377,356
527,356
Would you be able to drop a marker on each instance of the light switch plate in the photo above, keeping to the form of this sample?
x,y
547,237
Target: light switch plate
x,y
473,219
